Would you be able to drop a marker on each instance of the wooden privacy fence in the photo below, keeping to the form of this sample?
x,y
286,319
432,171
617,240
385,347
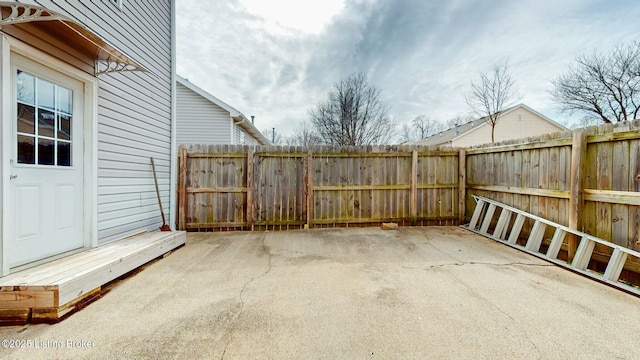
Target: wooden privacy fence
x,y
588,180
222,186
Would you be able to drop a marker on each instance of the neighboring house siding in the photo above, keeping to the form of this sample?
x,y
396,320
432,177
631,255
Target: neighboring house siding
x,y
199,121
519,123
238,138
134,108
249,140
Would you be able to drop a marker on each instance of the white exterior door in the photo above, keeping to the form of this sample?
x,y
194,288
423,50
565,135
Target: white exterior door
x,y
45,199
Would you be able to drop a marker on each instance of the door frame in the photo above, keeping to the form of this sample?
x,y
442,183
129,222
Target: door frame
x,y
8,45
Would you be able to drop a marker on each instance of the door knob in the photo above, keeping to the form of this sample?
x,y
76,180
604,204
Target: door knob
x,y
12,176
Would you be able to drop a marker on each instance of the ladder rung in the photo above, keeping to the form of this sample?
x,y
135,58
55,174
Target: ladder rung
x,y
556,243
515,230
535,237
583,254
487,218
476,214
616,264
505,225
501,226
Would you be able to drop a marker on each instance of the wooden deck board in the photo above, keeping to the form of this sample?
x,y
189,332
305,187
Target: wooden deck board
x,y
74,286
93,262
46,274
53,288
36,274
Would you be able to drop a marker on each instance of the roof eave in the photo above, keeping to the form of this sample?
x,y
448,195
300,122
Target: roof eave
x,y
248,126
193,87
107,58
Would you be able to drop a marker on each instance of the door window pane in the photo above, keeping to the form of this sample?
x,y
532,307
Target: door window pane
x,y
64,100
46,152
45,94
26,149
26,88
64,153
46,123
26,119
64,127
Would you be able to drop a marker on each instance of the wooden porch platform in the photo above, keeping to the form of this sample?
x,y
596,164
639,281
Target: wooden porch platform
x,y
48,292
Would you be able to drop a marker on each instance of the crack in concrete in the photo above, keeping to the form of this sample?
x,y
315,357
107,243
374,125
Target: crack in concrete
x,y
515,263
495,306
244,288
463,263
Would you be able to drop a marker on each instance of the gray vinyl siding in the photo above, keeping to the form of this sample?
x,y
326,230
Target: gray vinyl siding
x,y
248,139
134,108
238,135
199,121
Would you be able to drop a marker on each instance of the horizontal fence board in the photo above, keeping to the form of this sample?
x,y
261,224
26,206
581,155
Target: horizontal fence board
x,y
520,147
215,190
613,197
520,190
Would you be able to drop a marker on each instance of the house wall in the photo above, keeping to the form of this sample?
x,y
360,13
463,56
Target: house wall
x,y
248,139
519,123
134,108
240,137
199,121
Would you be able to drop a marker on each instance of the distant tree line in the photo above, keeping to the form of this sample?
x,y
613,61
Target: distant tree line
x,y
600,87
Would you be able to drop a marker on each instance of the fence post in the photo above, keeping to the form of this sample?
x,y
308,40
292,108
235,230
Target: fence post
x,y
182,189
249,205
576,197
414,187
309,189
462,185
635,244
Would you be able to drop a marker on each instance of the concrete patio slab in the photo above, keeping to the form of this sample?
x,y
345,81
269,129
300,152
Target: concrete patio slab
x,y
416,292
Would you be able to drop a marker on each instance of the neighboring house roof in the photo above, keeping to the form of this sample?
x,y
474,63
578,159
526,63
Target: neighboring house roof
x,y
450,135
240,119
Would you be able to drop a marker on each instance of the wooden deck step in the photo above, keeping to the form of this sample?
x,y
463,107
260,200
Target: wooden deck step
x,y
48,292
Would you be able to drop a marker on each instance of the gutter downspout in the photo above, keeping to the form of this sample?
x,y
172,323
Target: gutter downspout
x,y
234,127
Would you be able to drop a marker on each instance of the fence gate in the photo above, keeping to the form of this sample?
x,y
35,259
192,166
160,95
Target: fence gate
x,y
279,194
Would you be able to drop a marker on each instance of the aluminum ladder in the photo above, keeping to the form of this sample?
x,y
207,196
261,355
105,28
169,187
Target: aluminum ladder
x,y
503,227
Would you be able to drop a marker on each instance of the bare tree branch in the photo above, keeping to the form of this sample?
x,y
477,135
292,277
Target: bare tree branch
x,y
420,128
353,114
274,136
606,87
492,95
304,135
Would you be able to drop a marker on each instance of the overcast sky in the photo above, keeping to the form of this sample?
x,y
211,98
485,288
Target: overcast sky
x,y
276,59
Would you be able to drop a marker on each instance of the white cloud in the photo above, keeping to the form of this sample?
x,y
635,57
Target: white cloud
x,y
276,59
308,17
